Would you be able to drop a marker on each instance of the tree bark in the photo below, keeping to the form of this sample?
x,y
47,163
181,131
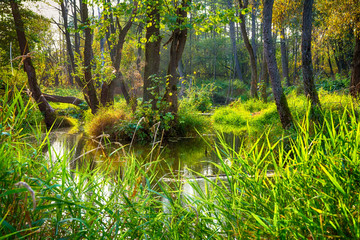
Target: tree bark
x,y
152,55
280,99
77,35
355,75
307,67
253,28
264,78
234,48
330,65
72,100
178,42
89,89
284,58
253,88
44,107
295,63
64,13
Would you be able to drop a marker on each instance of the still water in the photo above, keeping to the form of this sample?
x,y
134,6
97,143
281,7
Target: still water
x,y
176,157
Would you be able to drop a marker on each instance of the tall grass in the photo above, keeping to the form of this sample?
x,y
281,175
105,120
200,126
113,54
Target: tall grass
x,y
303,186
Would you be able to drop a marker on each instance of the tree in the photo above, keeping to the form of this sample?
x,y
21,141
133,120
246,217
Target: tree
x,y
178,40
88,85
233,44
152,53
44,107
280,99
340,23
254,77
116,48
307,67
64,13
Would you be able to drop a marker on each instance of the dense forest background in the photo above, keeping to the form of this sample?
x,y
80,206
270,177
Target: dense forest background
x,y
156,50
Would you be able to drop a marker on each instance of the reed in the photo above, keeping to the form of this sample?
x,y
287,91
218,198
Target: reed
x,y
312,191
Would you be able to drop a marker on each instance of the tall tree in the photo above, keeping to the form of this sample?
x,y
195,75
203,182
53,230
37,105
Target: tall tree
x,y
284,57
152,53
307,67
233,43
254,77
44,107
64,13
178,40
280,99
89,87
116,49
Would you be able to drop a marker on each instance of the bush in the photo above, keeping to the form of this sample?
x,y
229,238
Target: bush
x,y
199,98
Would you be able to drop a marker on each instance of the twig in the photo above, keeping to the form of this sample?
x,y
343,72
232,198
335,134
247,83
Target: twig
x,y
137,125
25,185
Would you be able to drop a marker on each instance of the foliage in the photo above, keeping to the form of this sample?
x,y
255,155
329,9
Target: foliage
x,y
339,84
199,98
301,187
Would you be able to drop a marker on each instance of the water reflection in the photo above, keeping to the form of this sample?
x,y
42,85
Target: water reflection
x,y
176,157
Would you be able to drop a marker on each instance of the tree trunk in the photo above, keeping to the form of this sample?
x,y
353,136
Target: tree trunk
x,y
280,99
284,58
253,89
64,13
355,75
253,28
295,63
77,35
72,100
44,107
89,89
233,42
178,42
152,56
330,65
307,67
264,78
107,91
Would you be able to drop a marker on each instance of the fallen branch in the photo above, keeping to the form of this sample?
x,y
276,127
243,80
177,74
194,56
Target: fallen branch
x,y
72,100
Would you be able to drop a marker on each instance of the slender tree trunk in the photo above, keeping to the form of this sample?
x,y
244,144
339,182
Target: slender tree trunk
x,y
284,58
89,89
64,13
233,42
308,77
253,28
44,107
264,78
295,63
254,77
152,55
178,41
77,35
355,75
280,99
330,65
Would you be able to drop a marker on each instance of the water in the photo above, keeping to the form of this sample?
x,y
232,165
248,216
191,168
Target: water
x,y
176,157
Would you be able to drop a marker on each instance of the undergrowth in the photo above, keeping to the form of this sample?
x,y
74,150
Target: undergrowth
x,y
302,186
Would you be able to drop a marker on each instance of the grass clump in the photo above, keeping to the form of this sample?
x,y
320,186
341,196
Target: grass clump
x,y
145,124
106,120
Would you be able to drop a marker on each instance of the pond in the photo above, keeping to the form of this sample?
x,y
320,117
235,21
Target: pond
x,y
183,156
